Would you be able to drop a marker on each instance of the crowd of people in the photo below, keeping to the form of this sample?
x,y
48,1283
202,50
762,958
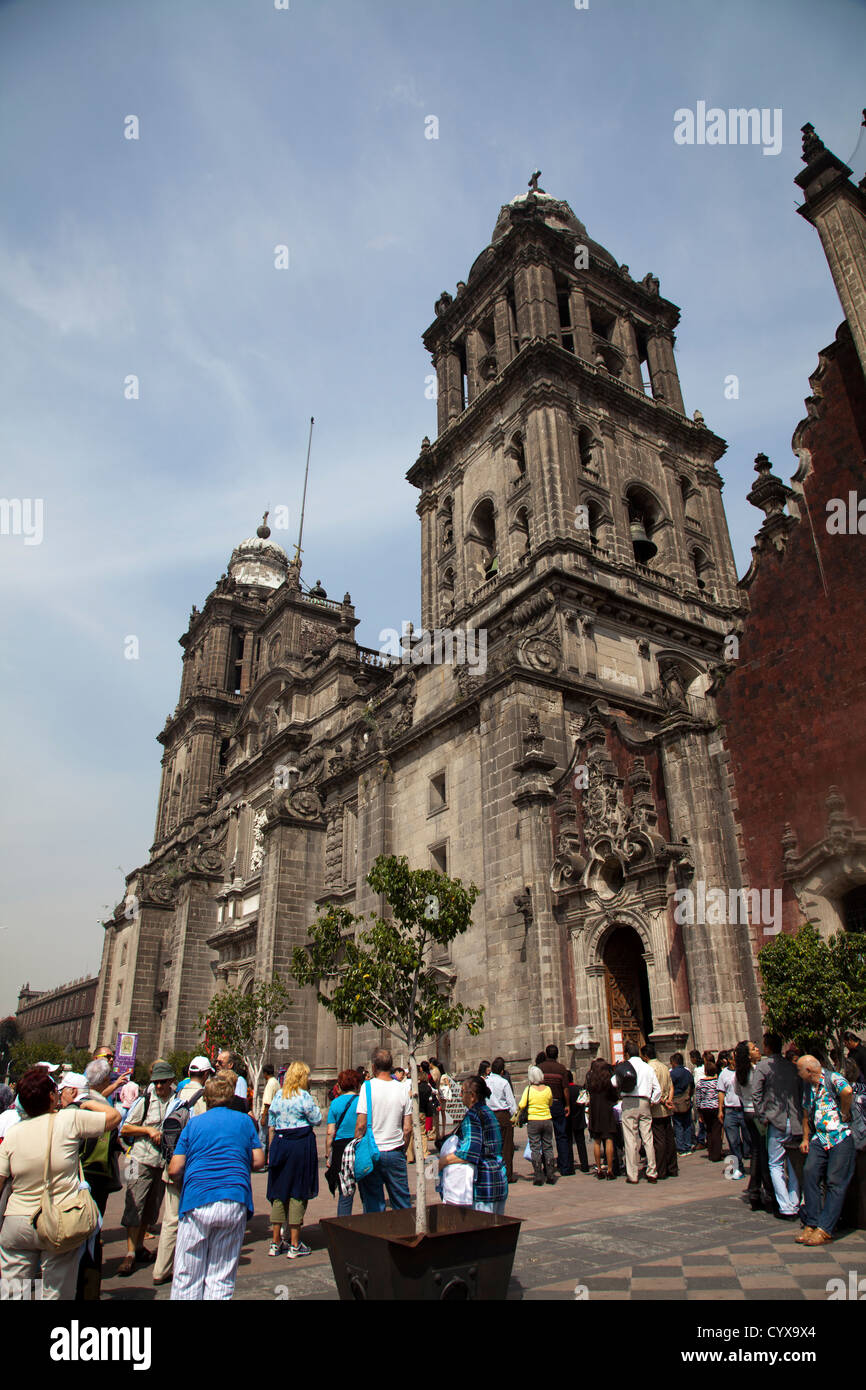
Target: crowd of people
x,y
191,1145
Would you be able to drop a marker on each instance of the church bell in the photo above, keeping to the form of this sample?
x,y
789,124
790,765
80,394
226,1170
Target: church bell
x,y
644,548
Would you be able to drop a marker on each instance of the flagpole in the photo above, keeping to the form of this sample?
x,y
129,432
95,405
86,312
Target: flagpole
x,y
304,498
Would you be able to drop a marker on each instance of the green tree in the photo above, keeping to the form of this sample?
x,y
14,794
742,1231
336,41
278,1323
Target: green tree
x,y
10,1034
814,990
243,1023
31,1050
377,970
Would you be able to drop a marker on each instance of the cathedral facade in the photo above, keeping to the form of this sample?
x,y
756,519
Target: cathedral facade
x,y
572,530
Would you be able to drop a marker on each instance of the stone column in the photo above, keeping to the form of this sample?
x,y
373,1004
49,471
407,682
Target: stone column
x,y
474,354
837,209
626,339
523,303
663,368
292,879
192,979
546,959
722,985
426,510
502,330
580,324
449,401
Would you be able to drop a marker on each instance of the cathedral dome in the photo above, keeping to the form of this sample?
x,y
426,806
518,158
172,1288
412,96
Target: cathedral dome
x,y
258,560
554,212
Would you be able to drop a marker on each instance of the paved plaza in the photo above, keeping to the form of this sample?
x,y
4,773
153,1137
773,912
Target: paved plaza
x,y
690,1237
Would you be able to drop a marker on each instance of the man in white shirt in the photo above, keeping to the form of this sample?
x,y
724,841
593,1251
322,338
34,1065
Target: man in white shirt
x,y
229,1061
271,1088
501,1101
637,1122
391,1104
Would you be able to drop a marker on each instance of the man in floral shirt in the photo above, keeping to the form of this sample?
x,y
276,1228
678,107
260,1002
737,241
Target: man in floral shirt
x,y
829,1146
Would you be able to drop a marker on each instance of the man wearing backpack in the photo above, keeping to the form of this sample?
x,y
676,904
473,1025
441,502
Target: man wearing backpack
x,y
188,1101
639,1090
144,1185
828,1143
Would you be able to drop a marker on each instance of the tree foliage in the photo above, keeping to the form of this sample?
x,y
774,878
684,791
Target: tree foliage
x,y
378,970
814,989
30,1050
10,1033
243,1023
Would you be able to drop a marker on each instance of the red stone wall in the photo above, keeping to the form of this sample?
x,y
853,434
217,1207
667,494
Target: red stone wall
x,y
794,707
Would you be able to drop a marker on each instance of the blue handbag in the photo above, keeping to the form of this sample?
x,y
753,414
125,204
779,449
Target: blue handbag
x,y
366,1152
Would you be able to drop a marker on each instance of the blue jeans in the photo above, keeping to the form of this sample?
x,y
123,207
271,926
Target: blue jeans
x,y
836,1166
498,1208
683,1131
737,1135
388,1171
782,1174
344,1204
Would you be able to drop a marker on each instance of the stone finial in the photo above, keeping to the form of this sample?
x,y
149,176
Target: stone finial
x,y
425,443
769,493
442,303
264,530
533,182
698,418
812,145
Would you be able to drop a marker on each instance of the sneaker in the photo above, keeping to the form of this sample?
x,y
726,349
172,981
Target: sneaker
x,y
277,1248
294,1252
737,1177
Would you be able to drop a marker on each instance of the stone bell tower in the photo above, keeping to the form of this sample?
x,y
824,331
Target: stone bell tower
x,y
571,509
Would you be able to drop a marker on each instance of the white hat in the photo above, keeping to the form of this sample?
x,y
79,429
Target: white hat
x,y
200,1064
76,1079
49,1066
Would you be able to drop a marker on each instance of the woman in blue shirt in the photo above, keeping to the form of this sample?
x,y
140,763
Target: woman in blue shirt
x,y
341,1129
293,1174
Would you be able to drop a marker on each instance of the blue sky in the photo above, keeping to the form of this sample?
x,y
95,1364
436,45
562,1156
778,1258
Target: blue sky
x,y
305,127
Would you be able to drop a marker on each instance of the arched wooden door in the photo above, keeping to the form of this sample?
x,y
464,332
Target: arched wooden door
x,y
627,991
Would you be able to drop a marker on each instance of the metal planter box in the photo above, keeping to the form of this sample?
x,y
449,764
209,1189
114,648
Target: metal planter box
x,y
466,1255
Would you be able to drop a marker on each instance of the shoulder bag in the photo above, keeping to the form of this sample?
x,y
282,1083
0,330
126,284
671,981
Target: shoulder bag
x,y
64,1225
366,1152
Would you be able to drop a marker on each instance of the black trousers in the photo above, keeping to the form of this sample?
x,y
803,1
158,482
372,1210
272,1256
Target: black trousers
x,y
562,1137
665,1145
578,1134
760,1189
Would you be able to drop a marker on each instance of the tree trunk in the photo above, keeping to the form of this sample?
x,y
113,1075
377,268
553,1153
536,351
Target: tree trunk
x,y
420,1166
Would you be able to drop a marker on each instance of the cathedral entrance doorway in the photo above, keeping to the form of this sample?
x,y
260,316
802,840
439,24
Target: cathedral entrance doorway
x,y
629,1016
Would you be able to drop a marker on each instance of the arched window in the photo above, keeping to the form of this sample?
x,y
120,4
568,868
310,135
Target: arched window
x,y
446,518
516,454
174,802
594,515
700,563
585,449
644,517
852,909
483,552
521,526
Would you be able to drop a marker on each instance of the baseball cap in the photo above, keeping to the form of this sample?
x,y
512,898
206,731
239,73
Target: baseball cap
x,y
162,1071
79,1081
200,1064
49,1066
